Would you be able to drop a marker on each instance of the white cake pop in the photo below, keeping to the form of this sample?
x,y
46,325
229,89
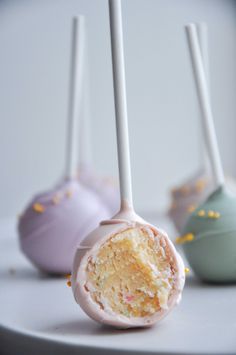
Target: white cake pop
x,y
55,221
126,273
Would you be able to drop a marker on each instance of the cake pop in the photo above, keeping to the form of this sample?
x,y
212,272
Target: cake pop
x,y
104,186
186,197
209,239
55,221
126,273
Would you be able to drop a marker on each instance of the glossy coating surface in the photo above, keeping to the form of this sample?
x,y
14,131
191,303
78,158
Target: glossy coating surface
x,y
212,252
55,222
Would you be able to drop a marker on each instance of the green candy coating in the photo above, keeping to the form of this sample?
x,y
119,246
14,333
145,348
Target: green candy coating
x,y
212,253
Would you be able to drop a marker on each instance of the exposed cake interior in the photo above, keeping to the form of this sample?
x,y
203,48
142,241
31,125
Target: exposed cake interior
x,y
132,273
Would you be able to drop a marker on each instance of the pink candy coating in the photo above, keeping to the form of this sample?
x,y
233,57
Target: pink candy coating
x,y
90,245
49,238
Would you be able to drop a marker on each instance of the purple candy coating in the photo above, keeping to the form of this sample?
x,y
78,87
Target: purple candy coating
x,y
49,238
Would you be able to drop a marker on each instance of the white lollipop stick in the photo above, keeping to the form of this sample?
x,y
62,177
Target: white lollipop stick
x,y
85,151
120,103
202,32
75,94
204,101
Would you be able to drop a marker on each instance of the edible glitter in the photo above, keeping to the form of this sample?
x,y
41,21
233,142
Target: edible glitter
x,y
37,207
184,239
201,213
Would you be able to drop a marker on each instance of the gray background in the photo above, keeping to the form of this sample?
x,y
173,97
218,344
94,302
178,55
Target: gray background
x,y
162,105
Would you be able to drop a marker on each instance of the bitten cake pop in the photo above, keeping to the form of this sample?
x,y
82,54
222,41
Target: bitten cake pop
x,y
105,187
126,273
209,239
54,222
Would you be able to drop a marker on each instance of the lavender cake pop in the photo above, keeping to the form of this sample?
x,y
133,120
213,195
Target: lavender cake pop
x,y
126,273
55,221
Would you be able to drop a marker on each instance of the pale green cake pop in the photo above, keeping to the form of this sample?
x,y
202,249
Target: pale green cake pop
x,y
209,239
209,236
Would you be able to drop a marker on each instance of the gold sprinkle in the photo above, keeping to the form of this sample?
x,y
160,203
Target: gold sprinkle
x,y
191,208
68,276
184,239
186,270
69,193
217,215
201,213
37,207
211,214
68,283
189,237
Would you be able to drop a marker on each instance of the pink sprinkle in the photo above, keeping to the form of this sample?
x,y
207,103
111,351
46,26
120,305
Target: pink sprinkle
x,y
129,298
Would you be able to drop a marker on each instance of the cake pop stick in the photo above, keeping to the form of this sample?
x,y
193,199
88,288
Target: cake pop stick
x,y
75,94
197,188
120,105
55,221
85,149
126,273
202,33
209,238
205,106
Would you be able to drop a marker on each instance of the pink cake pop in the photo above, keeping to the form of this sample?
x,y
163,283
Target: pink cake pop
x,y
126,272
56,221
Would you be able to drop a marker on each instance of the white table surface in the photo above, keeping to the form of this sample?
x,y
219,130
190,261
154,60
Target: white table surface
x,y
38,314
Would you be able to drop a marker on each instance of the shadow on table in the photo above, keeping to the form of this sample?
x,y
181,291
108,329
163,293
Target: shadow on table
x,y
87,327
25,273
194,283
